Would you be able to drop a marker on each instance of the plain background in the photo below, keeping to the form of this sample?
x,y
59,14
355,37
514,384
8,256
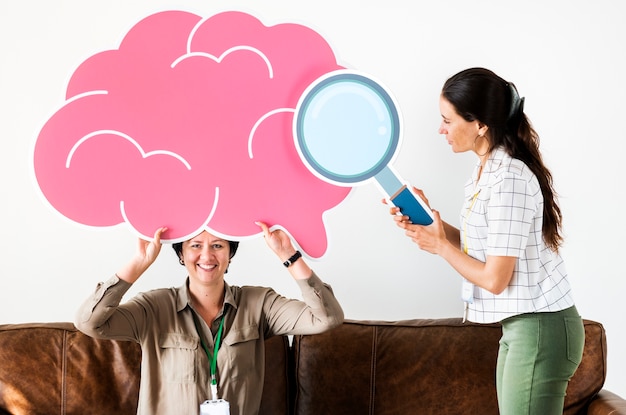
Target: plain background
x,y
566,58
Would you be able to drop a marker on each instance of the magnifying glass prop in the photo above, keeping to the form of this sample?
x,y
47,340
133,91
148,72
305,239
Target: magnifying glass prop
x,y
347,131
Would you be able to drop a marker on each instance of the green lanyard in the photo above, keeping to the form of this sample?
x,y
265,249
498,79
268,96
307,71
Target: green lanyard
x,y
218,339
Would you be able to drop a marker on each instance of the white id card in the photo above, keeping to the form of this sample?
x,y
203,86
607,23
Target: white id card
x,y
217,407
467,293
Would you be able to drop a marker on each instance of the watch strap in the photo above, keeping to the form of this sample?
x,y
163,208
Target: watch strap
x,y
292,259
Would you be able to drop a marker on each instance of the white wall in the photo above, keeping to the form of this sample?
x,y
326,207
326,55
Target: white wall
x,y
566,57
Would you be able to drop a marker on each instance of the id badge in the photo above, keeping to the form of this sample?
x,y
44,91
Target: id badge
x,y
217,407
467,292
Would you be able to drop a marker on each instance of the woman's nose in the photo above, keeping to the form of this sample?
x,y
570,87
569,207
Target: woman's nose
x,y
205,253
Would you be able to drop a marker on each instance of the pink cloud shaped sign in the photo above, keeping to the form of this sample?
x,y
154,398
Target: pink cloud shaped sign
x,y
189,125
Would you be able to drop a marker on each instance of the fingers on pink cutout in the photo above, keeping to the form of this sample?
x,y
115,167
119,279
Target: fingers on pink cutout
x,y
189,124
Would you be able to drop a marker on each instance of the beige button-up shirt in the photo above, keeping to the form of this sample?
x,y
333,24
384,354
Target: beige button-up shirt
x,y
175,370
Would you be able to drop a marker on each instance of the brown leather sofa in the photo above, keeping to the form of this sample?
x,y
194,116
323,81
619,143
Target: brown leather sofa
x,y
362,367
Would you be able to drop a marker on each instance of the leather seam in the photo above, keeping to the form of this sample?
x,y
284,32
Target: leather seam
x,y
373,372
64,373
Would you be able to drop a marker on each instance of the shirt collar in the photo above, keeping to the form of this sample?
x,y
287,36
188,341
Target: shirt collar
x,y
495,158
184,299
492,164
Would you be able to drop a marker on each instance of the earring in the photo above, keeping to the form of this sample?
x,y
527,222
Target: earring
x,y
474,146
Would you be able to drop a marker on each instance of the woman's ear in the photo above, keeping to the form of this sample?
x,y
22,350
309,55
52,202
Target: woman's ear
x,y
482,129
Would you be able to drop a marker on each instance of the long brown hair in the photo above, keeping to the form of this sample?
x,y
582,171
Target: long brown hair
x,y
479,94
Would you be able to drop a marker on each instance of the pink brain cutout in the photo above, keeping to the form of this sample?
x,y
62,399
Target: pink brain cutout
x,y
188,124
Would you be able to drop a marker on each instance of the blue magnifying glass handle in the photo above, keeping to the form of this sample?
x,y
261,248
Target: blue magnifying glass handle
x,y
402,197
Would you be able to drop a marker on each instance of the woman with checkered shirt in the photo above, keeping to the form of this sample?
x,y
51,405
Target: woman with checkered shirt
x,y
507,245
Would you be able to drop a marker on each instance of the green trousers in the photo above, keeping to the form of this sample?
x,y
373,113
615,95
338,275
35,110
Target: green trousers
x,y
539,353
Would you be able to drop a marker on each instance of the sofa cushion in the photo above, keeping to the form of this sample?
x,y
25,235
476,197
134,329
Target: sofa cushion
x,y
591,373
276,399
52,368
442,366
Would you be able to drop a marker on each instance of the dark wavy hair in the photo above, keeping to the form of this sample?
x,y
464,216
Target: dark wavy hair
x,y
478,94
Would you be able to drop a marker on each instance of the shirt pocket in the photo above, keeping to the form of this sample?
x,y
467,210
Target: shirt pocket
x,y
178,357
244,351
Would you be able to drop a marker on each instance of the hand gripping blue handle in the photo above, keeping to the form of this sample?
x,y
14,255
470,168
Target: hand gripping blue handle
x,y
409,205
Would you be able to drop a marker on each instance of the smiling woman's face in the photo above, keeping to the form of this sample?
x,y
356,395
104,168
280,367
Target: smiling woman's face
x,y
206,257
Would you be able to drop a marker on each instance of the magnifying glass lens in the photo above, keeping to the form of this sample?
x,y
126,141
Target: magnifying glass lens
x,y
347,128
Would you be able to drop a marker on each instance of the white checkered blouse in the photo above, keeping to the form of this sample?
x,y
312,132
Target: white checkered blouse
x,y
505,219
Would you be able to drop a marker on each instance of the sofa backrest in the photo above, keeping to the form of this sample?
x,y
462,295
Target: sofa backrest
x,y
52,368
419,366
361,367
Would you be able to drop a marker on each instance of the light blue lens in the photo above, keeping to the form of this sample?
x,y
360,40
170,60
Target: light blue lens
x,y
347,128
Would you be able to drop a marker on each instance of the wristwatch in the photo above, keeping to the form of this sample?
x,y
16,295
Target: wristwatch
x,y
293,259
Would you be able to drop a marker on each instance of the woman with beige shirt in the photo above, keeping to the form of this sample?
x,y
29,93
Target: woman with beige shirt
x,y
206,337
